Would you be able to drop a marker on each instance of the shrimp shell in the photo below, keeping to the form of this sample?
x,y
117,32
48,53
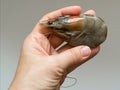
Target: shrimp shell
x,y
86,29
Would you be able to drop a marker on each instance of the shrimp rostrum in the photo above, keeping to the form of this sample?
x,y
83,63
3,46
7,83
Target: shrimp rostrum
x,y
86,29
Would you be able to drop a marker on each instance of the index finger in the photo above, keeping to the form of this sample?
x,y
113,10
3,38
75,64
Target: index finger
x,y
71,10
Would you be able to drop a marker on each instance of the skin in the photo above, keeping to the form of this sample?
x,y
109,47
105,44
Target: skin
x,y
41,66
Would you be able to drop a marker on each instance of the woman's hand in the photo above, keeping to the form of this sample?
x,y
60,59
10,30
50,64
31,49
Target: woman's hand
x,y
41,66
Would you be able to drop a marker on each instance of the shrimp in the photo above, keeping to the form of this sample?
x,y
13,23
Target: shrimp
x,y
86,29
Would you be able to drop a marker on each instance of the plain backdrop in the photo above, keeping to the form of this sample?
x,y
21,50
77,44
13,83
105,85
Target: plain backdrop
x,y
17,19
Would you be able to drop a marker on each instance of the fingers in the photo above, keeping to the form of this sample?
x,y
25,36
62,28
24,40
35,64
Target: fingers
x,y
94,52
71,10
74,56
91,12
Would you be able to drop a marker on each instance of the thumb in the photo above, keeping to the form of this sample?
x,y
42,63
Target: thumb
x,y
73,57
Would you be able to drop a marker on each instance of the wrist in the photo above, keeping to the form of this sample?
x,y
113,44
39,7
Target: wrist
x,y
19,85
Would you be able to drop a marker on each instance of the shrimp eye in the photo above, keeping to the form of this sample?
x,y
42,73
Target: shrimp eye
x,y
50,23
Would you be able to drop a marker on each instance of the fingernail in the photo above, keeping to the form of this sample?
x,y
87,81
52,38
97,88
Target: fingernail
x,y
85,52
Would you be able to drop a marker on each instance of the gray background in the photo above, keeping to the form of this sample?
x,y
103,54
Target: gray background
x,y
18,17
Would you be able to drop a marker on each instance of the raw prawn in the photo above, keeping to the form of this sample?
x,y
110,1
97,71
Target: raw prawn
x,y
86,29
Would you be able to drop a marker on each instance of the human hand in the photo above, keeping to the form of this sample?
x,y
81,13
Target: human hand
x,y
41,66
